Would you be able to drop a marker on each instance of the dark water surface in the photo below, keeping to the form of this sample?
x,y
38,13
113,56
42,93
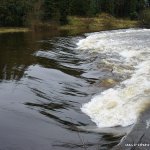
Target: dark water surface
x,y
44,81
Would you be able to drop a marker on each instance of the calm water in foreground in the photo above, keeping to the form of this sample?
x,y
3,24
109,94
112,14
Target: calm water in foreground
x,y
44,81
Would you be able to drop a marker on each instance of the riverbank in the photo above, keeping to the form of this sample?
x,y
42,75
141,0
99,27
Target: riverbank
x,y
78,25
12,29
101,22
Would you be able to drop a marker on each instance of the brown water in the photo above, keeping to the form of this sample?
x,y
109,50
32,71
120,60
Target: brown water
x,y
44,81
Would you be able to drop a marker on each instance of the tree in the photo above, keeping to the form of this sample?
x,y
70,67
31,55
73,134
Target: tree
x,y
25,12
13,13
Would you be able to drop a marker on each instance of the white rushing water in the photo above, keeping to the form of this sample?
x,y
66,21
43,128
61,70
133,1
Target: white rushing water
x,y
122,104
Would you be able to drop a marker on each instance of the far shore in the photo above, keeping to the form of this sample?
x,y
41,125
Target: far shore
x,y
78,25
13,29
102,22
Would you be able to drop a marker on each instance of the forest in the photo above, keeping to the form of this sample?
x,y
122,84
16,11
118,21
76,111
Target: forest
x,y
20,13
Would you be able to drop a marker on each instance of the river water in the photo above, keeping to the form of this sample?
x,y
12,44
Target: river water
x,y
53,84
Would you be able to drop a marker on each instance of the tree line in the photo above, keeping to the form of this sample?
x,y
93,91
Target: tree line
x,y
23,12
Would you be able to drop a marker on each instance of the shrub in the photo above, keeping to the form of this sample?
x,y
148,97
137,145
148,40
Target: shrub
x,y
145,17
134,15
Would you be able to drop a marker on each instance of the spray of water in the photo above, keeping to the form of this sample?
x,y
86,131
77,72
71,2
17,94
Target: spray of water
x,y
122,104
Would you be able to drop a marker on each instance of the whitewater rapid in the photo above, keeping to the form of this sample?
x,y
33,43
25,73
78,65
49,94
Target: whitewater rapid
x,y
128,54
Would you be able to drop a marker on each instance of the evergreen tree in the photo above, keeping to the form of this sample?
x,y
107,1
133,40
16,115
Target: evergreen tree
x,y
20,12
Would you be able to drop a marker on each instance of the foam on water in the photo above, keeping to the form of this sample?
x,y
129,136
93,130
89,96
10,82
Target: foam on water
x,y
121,105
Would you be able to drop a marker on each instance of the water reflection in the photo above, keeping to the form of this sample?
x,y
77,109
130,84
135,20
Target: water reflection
x,y
44,81
15,50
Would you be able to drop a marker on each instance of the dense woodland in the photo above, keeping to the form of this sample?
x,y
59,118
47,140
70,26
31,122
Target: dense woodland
x,y
24,12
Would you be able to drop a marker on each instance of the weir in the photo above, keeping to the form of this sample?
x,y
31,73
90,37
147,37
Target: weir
x,y
128,54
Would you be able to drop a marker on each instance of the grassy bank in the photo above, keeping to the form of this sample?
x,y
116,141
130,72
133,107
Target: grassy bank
x,y
102,22
77,25
12,30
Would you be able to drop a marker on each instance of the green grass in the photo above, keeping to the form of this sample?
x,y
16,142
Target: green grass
x,y
78,25
12,30
99,23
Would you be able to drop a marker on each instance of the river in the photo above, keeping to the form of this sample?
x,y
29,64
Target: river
x,y
53,87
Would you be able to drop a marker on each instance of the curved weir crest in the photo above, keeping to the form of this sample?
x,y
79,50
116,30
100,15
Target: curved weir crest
x,y
128,54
